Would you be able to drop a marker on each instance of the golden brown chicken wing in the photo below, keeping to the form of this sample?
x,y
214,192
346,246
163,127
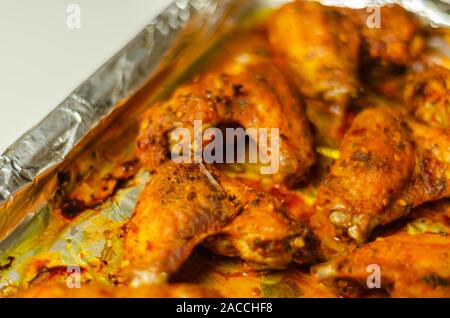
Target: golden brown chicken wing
x,y
249,92
377,159
390,34
319,47
427,93
388,166
431,178
180,207
185,204
106,291
413,262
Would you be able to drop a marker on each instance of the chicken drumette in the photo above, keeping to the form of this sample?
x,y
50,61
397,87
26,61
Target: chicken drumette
x,y
388,165
319,47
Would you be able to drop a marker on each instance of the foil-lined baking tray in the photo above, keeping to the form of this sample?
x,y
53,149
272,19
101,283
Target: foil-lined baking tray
x,y
97,112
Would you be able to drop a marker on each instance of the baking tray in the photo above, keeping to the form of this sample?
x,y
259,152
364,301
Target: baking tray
x,y
100,115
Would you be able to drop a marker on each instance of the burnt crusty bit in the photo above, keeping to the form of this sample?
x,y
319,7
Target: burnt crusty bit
x,y
97,290
10,260
435,281
88,184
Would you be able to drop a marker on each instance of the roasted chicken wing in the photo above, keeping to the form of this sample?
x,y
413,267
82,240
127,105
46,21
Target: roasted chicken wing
x,y
388,166
180,207
377,158
185,204
319,47
390,34
248,92
412,262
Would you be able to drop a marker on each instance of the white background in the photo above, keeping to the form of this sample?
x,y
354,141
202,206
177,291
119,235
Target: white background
x,y
42,60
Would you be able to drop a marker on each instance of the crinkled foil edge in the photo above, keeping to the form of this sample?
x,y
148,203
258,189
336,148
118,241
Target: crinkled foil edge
x,y
44,147
47,145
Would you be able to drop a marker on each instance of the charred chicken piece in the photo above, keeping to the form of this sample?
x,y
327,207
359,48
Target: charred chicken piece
x,y
248,92
319,46
185,204
427,94
413,262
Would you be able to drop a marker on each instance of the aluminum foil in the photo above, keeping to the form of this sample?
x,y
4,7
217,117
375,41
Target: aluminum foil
x,y
28,167
38,152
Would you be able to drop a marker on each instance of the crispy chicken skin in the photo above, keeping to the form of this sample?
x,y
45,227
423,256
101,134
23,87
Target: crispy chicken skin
x,y
397,40
427,95
104,291
413,262
248,91
180,207
319,47
377,158
186,203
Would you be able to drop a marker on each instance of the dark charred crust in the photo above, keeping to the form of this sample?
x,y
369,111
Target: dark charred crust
x,y
63,178
70,208
129,168
6,266
434,280
237,89
51,272
360,156
191,196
